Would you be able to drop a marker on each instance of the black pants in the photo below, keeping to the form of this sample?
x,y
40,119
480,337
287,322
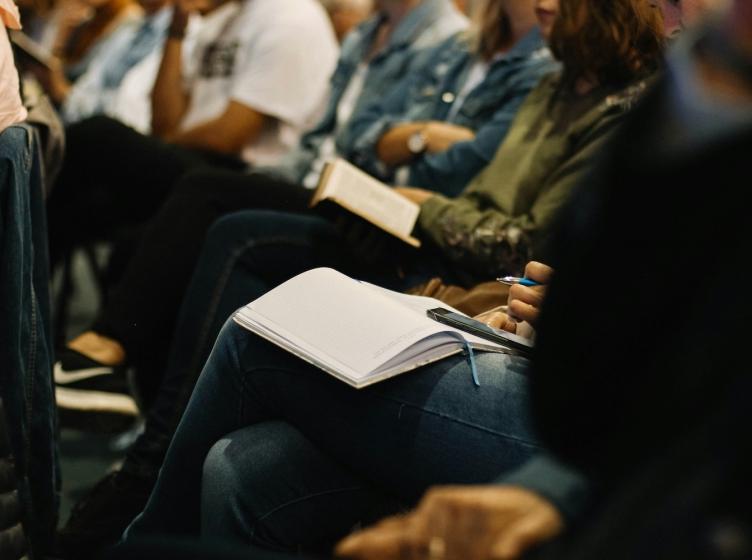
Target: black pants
x,y
141,310
114,178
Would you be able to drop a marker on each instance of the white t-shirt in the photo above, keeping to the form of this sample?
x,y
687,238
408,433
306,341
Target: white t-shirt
x,y
345,109
274,56
12,110
131,103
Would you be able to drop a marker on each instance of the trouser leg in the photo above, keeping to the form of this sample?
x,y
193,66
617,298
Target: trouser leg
x,y
268,485
245,255
112,176
224,280
141,310
432,426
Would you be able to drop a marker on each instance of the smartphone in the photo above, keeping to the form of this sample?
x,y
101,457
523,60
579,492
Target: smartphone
x,y
518,343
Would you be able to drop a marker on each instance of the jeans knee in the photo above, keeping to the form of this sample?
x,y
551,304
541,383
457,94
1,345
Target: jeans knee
x,y
245,479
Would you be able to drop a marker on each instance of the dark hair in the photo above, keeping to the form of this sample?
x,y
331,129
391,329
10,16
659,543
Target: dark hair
x,y
613,42
492,29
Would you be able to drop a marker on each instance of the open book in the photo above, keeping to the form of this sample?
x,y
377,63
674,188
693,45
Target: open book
x,y
359,193
355,331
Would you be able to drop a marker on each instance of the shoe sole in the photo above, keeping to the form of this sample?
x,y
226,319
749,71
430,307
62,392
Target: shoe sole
x,y
95,411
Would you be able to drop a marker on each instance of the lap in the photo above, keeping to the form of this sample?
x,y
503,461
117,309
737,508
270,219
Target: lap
x,y
422,428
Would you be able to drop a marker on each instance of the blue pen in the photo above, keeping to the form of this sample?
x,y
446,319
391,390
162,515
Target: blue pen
x,y
512,280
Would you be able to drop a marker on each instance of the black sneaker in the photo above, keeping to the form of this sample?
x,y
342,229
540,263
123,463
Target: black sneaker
x,y
91,395
98,520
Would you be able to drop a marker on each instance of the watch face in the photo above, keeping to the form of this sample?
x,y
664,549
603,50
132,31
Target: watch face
x,y
417,143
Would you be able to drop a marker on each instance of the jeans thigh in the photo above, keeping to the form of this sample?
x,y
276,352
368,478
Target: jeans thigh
x,y
268,485
431,426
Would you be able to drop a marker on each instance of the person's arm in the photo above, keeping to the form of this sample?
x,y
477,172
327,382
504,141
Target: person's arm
x,y
360,139
479,236
393,147
468,522
455,155
228,133
169,100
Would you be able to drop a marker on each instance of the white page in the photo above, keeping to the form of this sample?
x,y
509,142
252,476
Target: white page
x,y
329,314
371,197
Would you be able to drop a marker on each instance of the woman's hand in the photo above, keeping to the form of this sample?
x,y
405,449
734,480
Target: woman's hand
x,y
524,302
418,196
497,319
460,523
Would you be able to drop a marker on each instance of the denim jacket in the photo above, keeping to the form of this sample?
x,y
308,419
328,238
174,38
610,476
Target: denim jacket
x,y
25,337
428,24
428,95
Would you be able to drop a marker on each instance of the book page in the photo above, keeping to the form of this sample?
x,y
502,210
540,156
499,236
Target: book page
x,y
369,198
339,321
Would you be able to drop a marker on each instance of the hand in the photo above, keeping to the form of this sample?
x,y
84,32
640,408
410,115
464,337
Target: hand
x,y
418,196
497,319
440,136
524,302
467,523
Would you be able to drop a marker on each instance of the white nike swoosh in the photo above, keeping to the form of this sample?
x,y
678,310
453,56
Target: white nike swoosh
x,y
63,377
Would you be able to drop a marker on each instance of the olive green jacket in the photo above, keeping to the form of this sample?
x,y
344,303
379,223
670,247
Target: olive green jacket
x,y
501,219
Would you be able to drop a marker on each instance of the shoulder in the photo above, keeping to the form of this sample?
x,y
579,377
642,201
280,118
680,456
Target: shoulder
x,y
271,15
445,23
625,99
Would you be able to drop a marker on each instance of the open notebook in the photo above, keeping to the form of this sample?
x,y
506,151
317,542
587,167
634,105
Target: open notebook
x,y
355,331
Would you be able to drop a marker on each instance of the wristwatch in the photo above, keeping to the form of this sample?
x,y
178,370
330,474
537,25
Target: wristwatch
x,y
417,142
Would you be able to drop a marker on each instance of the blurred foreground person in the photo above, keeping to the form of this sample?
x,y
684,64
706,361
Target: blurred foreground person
x,y
634,387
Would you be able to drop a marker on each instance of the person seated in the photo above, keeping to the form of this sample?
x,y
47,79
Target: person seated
x,y
207,106
132,321
635,428
390,43
26,396
326,431
95,90
85,27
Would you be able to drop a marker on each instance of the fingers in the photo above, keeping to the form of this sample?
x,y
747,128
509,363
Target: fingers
x,y
525,303
492,318
539,526
392,539
539,272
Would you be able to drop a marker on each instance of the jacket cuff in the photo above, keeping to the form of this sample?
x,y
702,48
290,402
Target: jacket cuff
x,y
364,147
562,485
430,211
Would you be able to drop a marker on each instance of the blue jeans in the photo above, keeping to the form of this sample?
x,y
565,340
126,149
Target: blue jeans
x,y
245,255
275,452
25,352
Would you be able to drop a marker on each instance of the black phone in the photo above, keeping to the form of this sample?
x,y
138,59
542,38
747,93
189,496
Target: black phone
x,y
518,343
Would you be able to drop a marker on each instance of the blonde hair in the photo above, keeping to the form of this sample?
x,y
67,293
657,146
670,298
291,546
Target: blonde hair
x,y
492,29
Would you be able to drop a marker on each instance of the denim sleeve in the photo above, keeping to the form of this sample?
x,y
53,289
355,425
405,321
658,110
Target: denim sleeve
x,y
369,123
449,172
562,485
